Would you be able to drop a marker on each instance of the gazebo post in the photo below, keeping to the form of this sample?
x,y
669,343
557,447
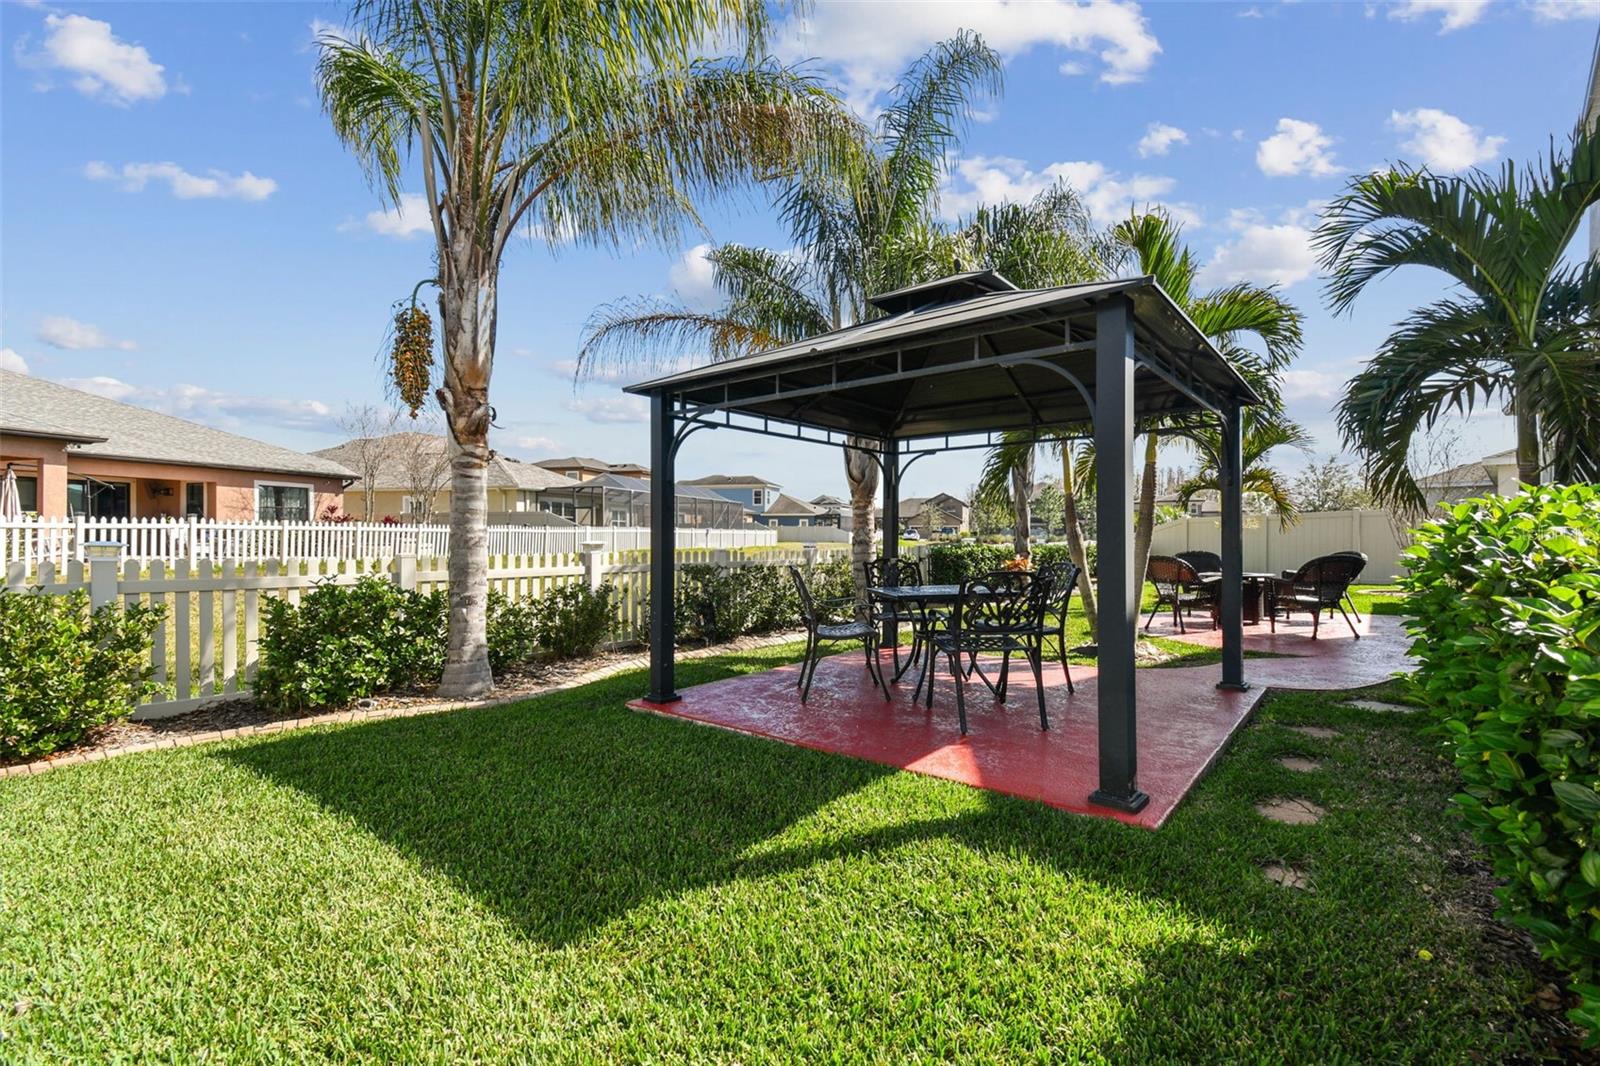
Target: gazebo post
x,y
663,547
1231,463
1119,587
891,521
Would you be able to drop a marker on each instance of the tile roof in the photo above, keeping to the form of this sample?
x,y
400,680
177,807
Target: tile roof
x,y
398,451
731,480
113,430
788,506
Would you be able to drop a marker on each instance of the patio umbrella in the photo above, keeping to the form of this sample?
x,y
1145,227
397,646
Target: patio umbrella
x,y
10,497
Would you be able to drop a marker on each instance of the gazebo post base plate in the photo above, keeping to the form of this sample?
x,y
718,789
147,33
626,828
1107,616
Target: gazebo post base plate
x,y
1131,803
1234,686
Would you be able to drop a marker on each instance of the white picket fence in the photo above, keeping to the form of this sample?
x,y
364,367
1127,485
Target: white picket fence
x,y
206,649
63,540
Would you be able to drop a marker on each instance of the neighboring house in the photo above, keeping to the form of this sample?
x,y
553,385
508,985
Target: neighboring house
x,y
625,501
938,515
1495,473
586,468
77,453
786,512
754,494
837,511
411,479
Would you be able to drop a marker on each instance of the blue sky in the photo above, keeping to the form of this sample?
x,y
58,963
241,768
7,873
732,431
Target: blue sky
x,y
182,230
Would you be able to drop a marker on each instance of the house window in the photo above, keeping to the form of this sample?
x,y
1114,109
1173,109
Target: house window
x,y
99,499
563,508
28,494
277,502
194,499
758,498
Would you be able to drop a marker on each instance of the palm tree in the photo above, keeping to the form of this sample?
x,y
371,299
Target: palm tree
x,y
865,230
595,126
1262,430
1226,316
1520,328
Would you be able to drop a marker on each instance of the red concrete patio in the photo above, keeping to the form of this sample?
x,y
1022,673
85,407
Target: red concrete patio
x,y
1184,720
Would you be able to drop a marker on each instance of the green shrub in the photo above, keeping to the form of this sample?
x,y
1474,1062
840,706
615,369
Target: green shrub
x,y
574,620
65,669
950,564
1505,597
346,642
513,631
717,603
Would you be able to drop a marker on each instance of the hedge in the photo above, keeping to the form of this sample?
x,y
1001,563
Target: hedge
x,y
950,564
1505,597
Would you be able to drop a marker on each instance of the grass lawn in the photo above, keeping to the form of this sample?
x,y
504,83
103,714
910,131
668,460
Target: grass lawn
x,y
565,879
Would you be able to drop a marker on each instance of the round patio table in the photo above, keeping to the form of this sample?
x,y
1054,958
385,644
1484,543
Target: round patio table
x,y
1255,585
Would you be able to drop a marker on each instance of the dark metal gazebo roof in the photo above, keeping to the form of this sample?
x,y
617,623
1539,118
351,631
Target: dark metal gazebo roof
x,y
966,354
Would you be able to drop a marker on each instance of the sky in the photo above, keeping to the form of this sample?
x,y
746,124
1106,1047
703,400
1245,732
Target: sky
x,y
180,228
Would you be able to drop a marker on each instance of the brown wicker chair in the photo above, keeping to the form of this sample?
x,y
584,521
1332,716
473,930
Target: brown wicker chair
x,y
1320,585
1178,586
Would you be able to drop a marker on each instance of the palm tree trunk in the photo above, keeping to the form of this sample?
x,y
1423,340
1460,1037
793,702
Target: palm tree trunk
x,y
1021,510
467,311
1080,558
1144,527
861,473
1528,471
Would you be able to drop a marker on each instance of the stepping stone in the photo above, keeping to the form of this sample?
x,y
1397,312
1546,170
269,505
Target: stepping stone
x,y
1291,811
1379,705
1298,764
1287,876
1320,732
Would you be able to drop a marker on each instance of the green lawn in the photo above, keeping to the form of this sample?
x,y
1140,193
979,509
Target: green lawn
x,y
563,879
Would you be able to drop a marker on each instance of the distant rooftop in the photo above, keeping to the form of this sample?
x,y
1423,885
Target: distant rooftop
x,y
732,481
110,429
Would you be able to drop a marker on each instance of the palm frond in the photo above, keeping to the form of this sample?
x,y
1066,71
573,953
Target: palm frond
x,y
646,335
1156,242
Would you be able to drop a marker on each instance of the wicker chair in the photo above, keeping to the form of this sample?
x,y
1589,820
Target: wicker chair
x,y
1289,575
821,630
1320,585
1178,586
1204,562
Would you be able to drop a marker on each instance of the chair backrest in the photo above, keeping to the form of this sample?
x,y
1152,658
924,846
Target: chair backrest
x,y
1000,601
1169,574
887,573
1063,580
1203,561
808,606
1330,575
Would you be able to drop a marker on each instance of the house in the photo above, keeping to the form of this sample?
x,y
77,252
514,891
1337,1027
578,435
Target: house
x,y
410,478
753,493
1495,473
77,453
586,468
837,511
938,515
786,512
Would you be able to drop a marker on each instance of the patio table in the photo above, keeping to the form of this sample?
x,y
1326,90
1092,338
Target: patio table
x,y
919,595
1255,587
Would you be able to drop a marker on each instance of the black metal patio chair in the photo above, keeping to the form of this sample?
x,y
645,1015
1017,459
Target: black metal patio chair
x,y
1178,586
887,573
1001,614
1063,579
1289,574
1320,585
822,629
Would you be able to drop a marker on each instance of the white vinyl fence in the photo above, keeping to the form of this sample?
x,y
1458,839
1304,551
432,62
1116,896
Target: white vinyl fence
x,y
1270,549
207,648
62,540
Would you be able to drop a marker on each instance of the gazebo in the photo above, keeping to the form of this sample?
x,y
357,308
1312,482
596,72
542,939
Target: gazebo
x,y
952,364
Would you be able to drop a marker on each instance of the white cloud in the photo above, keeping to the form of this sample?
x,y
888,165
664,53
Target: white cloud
x,y
10,360
98,64
1453,14
537,444
1159,138
213,185
1109,196
224,410
403,220
872,43
1442,141
59,331
1298,147
1311,385
693,279
611,410
1560,10
1263,252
